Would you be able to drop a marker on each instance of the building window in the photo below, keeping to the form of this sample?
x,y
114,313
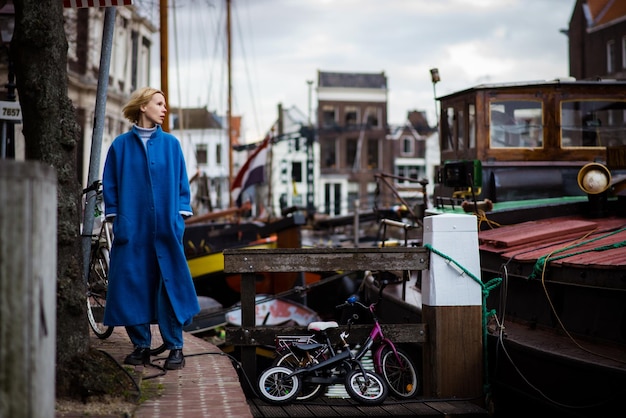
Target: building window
x,y
372,154
218,154
407,145
373,120
351,116
329,116
296,171
407,172
610,57
351,147
201,154
328,153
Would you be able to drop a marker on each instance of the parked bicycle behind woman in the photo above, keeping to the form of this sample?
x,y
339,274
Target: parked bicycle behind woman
x,y
146,192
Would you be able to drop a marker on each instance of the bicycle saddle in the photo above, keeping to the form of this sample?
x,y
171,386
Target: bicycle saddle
x,y
322,325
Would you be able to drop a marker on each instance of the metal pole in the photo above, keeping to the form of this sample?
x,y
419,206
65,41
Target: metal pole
x,y
310,83
434,75
98,129
164,57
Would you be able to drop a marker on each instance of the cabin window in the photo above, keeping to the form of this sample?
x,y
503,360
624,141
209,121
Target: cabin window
x,y
610,57
471,134
592,123
516,124
329,116
447,130
351,117
460,128
624,52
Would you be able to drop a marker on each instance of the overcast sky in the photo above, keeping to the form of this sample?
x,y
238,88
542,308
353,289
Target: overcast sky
x,y
278,45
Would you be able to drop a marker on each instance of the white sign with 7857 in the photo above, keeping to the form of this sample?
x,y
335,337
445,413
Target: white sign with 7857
x,y
10,111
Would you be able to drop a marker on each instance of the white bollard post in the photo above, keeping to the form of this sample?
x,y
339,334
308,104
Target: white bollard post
x,y
444,284
28,251
452,308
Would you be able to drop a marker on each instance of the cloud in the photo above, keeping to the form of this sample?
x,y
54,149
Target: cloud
x,y
277,45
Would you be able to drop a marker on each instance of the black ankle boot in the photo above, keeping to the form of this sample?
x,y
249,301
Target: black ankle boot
x,y
139,356
176,360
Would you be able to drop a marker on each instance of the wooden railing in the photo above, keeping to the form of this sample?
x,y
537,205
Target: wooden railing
x,y
249,262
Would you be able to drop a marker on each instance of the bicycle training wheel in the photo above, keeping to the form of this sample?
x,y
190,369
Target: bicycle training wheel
x,y
97,283
309,390
366,387
400,374
276,388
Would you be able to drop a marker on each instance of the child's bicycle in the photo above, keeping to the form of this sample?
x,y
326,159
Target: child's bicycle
x,y
281,385
390,362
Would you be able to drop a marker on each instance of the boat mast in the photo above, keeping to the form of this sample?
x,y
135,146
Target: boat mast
x,y
230,100
164,57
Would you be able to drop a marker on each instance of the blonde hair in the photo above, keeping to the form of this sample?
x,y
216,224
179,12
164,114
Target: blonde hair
x,y
141,97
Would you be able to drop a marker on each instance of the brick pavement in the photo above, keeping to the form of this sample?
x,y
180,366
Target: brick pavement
x,y
208,385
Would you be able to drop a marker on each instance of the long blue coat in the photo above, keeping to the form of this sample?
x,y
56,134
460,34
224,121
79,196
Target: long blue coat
x,y
147,189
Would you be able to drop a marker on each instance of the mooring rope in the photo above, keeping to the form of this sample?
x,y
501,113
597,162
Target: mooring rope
x,y
541,261
486,314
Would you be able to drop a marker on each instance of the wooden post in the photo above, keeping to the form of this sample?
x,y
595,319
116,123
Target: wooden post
x,y
452,309
28,250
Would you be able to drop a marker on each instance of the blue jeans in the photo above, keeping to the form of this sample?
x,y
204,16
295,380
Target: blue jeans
x,y
171,329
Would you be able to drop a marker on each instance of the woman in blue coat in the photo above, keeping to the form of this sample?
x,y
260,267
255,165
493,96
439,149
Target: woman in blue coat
x,y
146,192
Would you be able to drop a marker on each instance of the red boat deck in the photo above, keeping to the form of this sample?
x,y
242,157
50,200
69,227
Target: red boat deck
x,y
568,241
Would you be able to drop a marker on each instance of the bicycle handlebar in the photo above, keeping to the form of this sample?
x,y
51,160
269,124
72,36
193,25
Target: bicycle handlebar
x,y
93,187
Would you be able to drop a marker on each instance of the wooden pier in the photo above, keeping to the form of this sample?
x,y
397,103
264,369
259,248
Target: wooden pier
x,y
452,360
338,407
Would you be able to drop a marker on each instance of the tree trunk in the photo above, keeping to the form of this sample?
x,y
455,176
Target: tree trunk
x,y
39,52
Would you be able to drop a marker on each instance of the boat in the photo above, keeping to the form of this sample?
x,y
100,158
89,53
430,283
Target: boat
x,y
275,311
542,167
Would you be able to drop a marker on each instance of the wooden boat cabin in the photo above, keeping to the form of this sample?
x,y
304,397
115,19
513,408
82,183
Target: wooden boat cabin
x,y
515,141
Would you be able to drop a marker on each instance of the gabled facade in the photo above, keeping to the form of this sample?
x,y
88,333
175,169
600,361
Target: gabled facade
x,y
597,40
129,69
205,144
294,164
291,169
352,134
409,165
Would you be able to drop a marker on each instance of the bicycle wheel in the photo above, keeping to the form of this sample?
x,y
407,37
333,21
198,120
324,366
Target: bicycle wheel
x,y
309,390
366,387
400,374
97,283
276,388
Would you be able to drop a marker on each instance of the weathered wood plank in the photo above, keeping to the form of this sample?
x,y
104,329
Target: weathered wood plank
x,y
325,406
324,259
398,333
